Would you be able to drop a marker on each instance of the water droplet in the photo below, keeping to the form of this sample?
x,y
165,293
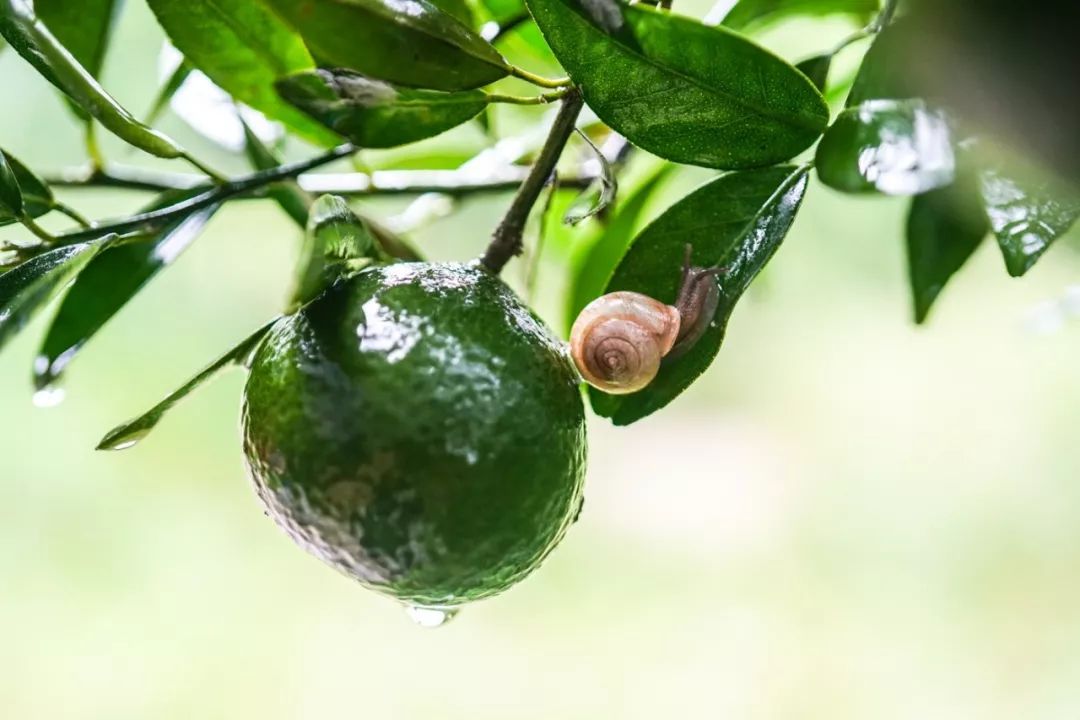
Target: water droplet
x,y
429,616
123,440
49,396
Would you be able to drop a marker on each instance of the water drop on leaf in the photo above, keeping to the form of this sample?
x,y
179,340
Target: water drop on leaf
x,y
49,396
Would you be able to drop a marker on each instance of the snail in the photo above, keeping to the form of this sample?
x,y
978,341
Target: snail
x,y
619,339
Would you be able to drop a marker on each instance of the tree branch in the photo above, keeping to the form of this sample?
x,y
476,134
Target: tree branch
x,y
506,241
351,184
213,195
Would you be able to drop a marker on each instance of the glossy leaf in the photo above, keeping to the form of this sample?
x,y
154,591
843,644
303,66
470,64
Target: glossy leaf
x,y
287,194
37,198
26,288
39,47
944,228
888,146
11,198
603,255
336,243
753,13
460,10
599,195
689,93
408,42
375,114
1026,214
817,68
736,222
130,433
243,47
109,282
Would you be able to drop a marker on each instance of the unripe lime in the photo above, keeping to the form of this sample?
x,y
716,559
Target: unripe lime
x,y
418,428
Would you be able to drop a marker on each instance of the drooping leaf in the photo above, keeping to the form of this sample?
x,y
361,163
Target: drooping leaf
x,y
944,228
130,433
336,243
755,13
39,47
602,255
109,282
26,288
686,92
173,83
243,47
817,69
599,195
896,147
735,222
11,197
287,194
409,42
375,114
1027,212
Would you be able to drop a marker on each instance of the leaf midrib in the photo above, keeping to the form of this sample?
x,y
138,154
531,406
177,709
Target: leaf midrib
x,y
689,79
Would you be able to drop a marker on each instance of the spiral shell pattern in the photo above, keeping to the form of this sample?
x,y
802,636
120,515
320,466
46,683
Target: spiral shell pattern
x,y
618,341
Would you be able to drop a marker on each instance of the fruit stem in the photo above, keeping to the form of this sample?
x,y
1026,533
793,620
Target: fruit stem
x,y
506,242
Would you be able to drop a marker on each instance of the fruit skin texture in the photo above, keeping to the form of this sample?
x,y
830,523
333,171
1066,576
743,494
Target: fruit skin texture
x,y
418,428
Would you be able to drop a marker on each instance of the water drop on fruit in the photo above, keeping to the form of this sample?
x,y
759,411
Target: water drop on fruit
x,y
430,616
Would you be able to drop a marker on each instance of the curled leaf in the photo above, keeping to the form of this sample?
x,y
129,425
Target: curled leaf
x,y
601,192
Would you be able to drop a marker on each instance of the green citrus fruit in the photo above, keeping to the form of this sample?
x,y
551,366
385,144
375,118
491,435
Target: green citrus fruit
x,y
418,428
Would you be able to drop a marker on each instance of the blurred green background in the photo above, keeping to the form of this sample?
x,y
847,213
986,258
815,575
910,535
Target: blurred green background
x,y
848,517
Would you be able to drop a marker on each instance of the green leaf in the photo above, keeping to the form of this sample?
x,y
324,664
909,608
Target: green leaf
x,y
130,433
755,13
460,10
503,10
337,242
1027,213
686,92
885,73
944,228
37,198
109,282
817,68
602,256
406,42
601,192
287,194
39,47
375,114
736,222
11,198
243,47
26,288
889,146
84,27
165,93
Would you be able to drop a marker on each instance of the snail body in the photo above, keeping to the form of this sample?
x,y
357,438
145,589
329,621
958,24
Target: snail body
x,y
620,339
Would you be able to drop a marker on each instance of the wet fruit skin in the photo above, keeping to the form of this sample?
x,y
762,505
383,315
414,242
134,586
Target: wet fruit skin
x,y
418,428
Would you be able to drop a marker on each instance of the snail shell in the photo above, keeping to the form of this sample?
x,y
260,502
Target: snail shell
x,y
619,339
